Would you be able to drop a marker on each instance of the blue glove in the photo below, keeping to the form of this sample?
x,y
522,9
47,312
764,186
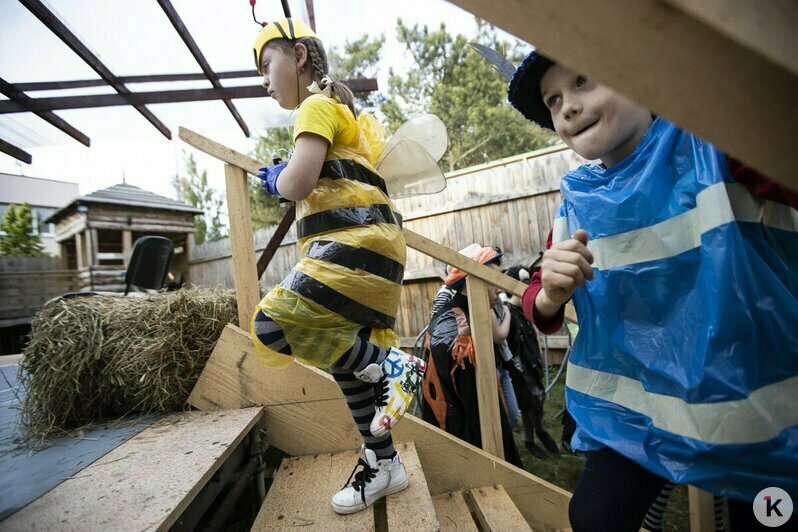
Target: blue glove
x,y
269,175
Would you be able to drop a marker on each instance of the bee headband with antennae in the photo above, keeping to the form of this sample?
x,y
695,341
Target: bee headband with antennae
x,y
286,28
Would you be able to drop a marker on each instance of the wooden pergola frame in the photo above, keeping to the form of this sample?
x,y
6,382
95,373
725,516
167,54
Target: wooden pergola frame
x,y
19,102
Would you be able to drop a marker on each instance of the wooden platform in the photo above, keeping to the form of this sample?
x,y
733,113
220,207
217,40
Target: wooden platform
x,y
302,488
299,499
145,483
298,400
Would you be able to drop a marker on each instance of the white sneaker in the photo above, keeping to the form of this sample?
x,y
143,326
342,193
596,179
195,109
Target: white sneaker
x,y
377,479
396,381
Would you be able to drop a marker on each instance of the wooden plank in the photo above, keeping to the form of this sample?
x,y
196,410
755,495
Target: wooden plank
x,y
411,509
490,427
450,256
453,512
221,152
299,498
243,247
127,245
495,510
299,399
15,152
702,510
136,99
714,82
147,482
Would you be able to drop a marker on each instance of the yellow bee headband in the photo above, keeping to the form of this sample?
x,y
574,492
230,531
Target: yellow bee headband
x,y
286,28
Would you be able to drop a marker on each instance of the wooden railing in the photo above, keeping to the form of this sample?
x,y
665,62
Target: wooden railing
x,y
237,165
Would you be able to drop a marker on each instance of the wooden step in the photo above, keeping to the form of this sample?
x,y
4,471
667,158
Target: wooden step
x,y
495,510
411,509
300,496
453,512
299,399
147,482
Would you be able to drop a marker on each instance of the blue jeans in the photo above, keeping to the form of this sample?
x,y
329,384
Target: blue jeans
x,y
513,412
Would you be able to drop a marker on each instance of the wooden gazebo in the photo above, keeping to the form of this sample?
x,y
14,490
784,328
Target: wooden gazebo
x,y
96,233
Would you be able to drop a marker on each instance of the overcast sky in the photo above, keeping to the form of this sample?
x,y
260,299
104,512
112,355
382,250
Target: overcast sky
x,y
136,38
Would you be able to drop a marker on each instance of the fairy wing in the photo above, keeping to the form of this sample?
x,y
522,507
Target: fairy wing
x,y
409,162
409,170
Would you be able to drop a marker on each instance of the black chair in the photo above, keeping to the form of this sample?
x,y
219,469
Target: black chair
x,y
149,263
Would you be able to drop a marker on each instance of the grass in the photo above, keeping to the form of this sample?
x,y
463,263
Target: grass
x,y
564,469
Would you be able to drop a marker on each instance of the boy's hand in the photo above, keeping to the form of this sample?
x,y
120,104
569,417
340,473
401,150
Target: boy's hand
x,y
565,267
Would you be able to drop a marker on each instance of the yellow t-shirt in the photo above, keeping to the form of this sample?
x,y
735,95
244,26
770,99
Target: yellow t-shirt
x,y
329,119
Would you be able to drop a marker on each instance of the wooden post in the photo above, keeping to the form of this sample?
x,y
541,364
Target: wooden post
x,y
242,244
487,390
92,246
79,250
702,510
127,246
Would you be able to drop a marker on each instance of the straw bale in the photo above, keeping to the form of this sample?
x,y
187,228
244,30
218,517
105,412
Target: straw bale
x,y
103,357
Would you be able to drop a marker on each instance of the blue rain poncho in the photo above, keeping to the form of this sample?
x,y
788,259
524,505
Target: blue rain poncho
x,y
687,355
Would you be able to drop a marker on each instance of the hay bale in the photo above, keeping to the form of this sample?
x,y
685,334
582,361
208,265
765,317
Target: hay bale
x,y
101,357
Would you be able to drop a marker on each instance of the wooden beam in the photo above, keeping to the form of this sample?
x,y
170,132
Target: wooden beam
x,y
453,258
277,238
16,153
79,250
730,84
15,93
54,24
127,245
135,99
242,244
702,510
221,152
490,427
155,78
311,14
180,28
298,397
141,98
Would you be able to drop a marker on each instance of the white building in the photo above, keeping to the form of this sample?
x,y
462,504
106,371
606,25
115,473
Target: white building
x,y
45,197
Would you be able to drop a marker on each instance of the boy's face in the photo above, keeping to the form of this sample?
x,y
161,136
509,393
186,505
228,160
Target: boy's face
x,y
591,119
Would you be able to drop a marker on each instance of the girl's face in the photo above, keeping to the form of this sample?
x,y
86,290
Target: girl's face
x,y
594,121
281,76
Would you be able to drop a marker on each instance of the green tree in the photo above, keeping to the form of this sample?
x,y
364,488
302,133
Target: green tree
x,y
450,80
194,190
359,59
19,238
273,142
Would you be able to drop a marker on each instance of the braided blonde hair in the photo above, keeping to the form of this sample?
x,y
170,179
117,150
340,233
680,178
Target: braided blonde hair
x,y
317,58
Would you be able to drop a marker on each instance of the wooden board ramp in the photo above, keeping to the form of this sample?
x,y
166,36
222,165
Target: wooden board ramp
x,y
453,512
147,482
495,510
411,509
299,498
305,414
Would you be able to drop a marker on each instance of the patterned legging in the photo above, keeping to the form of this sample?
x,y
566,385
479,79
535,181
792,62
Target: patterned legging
x,y
358,394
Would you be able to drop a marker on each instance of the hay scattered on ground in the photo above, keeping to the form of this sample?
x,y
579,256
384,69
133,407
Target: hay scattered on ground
x,y
101,357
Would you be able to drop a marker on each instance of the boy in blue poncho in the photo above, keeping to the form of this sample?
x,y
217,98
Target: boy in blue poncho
x,y
683,268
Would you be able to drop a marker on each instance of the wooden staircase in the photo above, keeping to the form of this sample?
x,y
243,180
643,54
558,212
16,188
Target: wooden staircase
x,y
299,498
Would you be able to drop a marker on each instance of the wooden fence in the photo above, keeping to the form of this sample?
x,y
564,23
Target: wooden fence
x,y
26,283
508,203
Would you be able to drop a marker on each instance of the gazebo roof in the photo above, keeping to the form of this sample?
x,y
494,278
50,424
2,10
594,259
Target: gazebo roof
x,y
128,195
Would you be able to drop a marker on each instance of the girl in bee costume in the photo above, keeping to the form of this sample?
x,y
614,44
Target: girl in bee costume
x,y
337,306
